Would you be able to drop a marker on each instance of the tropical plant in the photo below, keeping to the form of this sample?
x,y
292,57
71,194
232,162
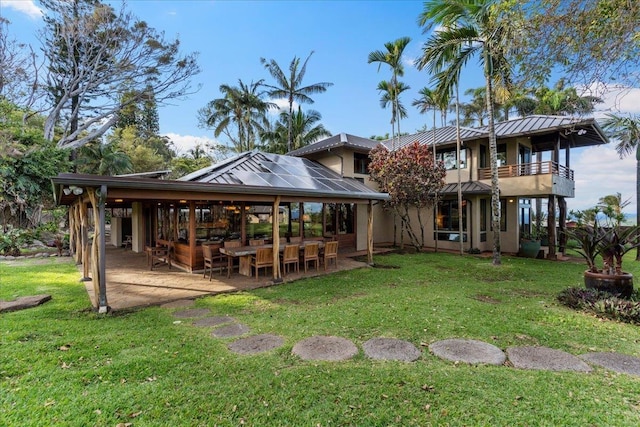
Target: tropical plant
x,y
103,159
393,58
463,29
241,114
626,130
390,95
290,88
305,127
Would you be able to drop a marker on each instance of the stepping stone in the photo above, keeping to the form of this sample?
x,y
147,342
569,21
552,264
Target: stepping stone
x,y
616,362
23,302
325,348
194,312
181,303
256,344
545,358
468,351
213,321
232,330
391,349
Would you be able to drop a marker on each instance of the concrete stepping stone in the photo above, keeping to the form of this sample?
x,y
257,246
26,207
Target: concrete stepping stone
x,y
213,321
391,349
256,344
621,363
181,303
327,348
232,330
194,312
468,351
545,358
23,302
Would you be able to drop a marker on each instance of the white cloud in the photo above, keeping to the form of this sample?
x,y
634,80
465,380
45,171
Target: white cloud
x,y
281,106
184,143
600,172
28,7
616,99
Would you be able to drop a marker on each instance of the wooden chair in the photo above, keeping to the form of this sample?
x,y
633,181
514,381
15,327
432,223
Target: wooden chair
x,y
291,255
230,244
330,253
262,259
256,242
311,254
212,259
128,242
160,255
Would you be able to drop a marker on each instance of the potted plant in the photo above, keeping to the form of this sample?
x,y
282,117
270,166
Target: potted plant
x,y
529,244
610,241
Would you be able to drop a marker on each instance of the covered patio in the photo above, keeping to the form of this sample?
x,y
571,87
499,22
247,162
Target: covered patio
x,y
131,284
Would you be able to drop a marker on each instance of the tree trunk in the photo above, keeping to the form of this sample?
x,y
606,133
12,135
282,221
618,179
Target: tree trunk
x,y
493,152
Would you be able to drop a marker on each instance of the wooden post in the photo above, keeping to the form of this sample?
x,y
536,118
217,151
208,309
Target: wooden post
x,y
84,236
275,234
562,224
551,227
370,233
192,235
103,307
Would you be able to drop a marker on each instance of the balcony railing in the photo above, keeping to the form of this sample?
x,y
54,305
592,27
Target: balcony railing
x,y
528,169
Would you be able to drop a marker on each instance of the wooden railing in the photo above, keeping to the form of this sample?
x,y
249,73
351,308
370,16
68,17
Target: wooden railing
x,y
528,169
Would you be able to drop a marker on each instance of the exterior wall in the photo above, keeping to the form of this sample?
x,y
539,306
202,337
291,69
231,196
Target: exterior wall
x,y
116,231
137,227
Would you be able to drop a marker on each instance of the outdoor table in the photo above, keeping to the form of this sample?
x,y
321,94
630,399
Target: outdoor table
x,y
244,253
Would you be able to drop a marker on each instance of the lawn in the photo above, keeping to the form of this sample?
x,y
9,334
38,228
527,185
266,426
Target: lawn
x,y
62,364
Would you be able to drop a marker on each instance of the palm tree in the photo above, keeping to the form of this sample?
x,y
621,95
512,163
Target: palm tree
x,y
290,88
103,159
241,114
393,58
469,28
627,131
390,96
305,131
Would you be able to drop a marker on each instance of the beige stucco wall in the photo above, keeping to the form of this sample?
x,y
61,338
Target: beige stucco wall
x,y
137,227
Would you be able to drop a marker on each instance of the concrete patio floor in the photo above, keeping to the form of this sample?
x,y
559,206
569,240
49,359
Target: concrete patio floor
x,y
130,283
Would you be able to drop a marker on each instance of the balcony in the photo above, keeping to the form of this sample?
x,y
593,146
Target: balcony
x,y
528,169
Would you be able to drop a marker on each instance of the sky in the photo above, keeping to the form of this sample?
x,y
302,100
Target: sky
x,y
232,36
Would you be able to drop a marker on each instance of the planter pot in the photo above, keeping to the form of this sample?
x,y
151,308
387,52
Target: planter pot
x,y
529,248
621,284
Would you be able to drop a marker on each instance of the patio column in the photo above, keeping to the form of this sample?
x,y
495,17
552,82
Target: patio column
x,y
98,262
551,226
275,234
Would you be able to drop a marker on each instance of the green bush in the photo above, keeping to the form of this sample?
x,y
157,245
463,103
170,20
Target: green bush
x,y
602,304
12,240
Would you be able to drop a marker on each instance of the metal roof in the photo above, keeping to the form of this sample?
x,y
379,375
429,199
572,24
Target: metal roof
x,y
467,188
248,173
443,135
356,143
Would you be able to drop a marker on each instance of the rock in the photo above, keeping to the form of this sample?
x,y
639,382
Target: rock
x,y
23,302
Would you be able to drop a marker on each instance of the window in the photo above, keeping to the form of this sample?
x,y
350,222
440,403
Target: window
x,y
447,220
449,158
484,156
361,163
312,219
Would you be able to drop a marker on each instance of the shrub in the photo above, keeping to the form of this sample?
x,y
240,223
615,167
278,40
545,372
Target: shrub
x,y
602,304
12,240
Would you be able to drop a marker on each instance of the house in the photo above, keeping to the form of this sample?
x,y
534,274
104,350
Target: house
x,y
533,157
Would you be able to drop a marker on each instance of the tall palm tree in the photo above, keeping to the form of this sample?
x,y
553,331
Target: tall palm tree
x,y
305,131
241,114
290,88
626,130
468,28
393,58
390,96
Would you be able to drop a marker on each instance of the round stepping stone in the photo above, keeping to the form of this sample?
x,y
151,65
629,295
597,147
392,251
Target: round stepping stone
x,y
545,358
232,330
213,321
256,344
391,349
194,312
181,303
616,362
325,348
468,351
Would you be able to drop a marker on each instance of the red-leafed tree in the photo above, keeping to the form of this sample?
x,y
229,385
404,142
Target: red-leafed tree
x,y
413,179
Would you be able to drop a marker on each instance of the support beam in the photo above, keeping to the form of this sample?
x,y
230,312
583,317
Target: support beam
x,y
275,235
370,233
562,224
551,227
103,307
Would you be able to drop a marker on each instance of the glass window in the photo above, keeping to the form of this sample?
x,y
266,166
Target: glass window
x,y
361,163
449,158
312,219
447,220
259,222
346,218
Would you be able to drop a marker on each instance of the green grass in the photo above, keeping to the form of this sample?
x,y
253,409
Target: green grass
x,y
62,364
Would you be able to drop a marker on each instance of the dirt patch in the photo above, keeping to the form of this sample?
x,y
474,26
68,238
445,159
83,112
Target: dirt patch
x,y
232,330
181,303
325,348
391,349
486,298
256,344
19,262
213,321
194,312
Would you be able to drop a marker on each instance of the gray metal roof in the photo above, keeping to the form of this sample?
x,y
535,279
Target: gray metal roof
x,y
467,188
443,135
356,143
248,173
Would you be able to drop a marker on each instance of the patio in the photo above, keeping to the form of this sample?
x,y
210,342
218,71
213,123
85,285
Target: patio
x,y
130,283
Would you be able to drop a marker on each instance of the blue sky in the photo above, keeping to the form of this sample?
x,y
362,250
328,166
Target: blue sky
x,y
232,36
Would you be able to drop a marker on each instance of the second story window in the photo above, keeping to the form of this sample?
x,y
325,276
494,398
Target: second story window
x,y
361,163
449,158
